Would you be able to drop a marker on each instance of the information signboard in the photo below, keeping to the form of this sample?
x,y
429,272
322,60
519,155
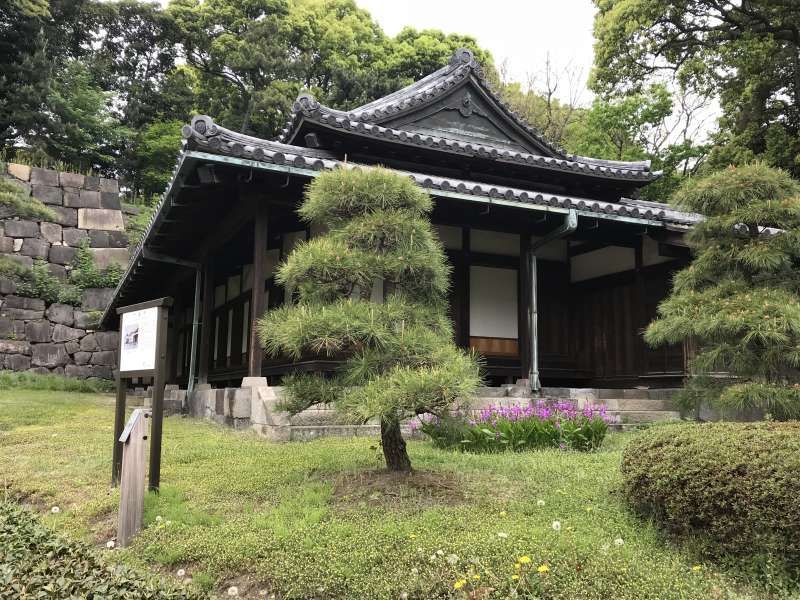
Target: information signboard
x,y
138,337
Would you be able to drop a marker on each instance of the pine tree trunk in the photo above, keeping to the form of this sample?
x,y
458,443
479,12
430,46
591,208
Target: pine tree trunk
x,y
394,447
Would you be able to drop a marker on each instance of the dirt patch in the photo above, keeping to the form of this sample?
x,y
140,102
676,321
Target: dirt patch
x,y
398,491
247,587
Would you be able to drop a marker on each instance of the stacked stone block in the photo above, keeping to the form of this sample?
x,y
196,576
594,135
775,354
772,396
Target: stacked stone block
x,y
59,338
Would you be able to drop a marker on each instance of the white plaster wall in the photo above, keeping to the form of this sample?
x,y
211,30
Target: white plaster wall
x,y
605,261
650,255
493,302
449,235
555,250
494,242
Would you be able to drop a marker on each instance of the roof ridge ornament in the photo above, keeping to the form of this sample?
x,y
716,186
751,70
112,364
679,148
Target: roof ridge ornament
x,y
462,56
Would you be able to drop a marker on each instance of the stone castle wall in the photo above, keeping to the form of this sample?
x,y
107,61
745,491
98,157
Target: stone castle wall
x,y
59,338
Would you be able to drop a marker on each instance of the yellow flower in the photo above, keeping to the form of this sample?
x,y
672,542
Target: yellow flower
x,y
413,536
524,560
459,584
543,569
476,577
503,513
517,566
696,568
515,577
588,509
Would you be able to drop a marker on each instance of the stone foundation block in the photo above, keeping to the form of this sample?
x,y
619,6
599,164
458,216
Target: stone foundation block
x,y
48,194
72,347
74,237
22,172
21,229
44,176
82,358
15,347
49,355
96,298
38,331
17,362
6,327
23,302
89,343
100,218
107,340
7,286
61,313
68,217
62,333
51,232
85,320
104,257
109,185
91,182
103,357
35,248
6,244
110,200
21,314
74,180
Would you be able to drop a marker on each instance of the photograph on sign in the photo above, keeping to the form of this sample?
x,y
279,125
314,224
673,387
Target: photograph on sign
x,y
138,340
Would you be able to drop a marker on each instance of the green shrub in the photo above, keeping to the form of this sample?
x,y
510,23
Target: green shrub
x,y
35,381
38,282
518,428
15,197
36,563
732,487
85,273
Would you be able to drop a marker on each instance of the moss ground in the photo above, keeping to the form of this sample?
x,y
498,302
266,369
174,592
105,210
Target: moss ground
x,y
320,520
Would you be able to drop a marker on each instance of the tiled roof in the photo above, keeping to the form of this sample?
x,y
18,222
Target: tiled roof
x,y
204,134
365,120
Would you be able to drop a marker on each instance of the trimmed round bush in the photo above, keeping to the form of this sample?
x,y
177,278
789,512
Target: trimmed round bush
x,y
734,487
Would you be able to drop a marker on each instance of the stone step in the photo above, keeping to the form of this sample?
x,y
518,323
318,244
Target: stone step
x,y
311,432
638,404
645,416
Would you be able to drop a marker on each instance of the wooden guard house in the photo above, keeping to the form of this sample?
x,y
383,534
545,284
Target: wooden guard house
x,y
556,266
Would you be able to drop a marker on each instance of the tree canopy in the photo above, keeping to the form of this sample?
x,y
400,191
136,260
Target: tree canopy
x,y
739,299
745,53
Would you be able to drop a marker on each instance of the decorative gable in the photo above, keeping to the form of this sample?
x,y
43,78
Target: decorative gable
x,y
470,115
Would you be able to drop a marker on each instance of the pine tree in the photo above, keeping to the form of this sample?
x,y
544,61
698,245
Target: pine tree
x,y
738,299
371,292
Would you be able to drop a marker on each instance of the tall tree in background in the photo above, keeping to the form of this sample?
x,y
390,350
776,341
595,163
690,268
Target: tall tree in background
x,y
371,292
746,53
739,300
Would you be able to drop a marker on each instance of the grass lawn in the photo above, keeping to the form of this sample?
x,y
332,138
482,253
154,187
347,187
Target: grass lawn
x,y
319,520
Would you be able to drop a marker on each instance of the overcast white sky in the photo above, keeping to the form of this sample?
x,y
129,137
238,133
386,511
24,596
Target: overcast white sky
x,y
522,32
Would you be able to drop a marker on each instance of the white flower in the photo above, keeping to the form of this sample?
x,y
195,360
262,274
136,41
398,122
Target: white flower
x,y
415,571
432,558
168,523
619,542
110,544
55,510
502,535
556,525
233,591
159,519
540,503
404,596
452,559
440,552
181,572
605,547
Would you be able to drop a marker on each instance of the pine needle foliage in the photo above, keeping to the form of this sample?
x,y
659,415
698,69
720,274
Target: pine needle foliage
x,y
371,293
20,203
739,299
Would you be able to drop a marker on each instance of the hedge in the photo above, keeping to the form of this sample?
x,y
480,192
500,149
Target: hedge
x,y
734,487
36,563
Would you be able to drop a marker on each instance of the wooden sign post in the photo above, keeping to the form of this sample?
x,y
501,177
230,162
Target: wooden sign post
x,y
131,488
142,353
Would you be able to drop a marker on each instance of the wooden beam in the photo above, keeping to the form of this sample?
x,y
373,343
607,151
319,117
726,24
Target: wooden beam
x,y
525,299
256,353
205,320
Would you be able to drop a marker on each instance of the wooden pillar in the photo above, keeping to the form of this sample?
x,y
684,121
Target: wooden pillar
x,y
205,321
256,353
640,315
524,307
